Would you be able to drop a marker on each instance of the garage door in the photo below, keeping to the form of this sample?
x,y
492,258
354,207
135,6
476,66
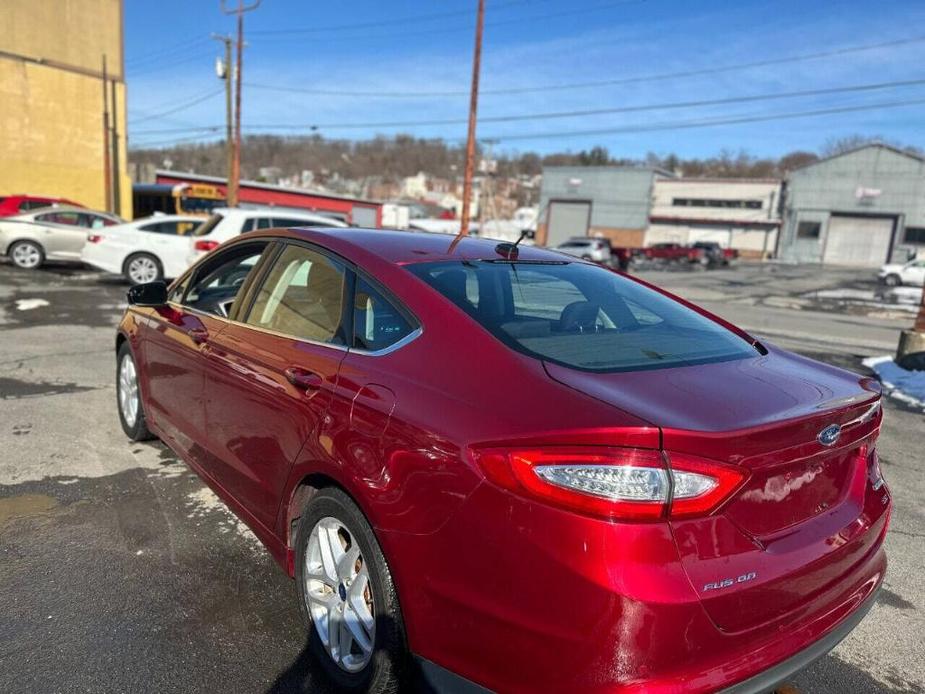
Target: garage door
x,y
862,241
567,219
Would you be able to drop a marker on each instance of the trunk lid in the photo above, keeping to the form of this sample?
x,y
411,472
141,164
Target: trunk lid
x,y
804,517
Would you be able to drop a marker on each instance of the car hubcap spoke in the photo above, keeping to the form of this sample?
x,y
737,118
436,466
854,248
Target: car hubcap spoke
x,y
339,594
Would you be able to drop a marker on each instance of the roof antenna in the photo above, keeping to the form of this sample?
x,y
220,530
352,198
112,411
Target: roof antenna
x,y
509,250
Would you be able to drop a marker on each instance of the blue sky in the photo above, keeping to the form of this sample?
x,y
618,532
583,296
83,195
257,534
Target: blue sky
x,y
369,48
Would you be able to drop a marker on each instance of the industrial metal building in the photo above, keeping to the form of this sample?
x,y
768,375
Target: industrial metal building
x,y
740,213
609,201
864,207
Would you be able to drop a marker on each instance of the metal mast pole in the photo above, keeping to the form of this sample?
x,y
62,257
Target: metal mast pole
x,y
473,109
116,187
107,150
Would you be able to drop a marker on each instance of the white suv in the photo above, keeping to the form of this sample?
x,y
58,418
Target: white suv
x,y
587,247
227,222
911,273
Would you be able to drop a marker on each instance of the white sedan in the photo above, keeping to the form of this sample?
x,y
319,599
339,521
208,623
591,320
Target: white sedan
x,y
145,250
910,274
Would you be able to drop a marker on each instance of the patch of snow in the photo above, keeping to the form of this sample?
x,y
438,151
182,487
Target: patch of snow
x,y
29,304
898,383
206,503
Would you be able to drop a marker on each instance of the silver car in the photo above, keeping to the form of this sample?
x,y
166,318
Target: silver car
x,y
587,247
50,233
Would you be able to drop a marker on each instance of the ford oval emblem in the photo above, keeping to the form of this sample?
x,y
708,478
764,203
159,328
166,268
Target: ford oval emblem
x,y
829,435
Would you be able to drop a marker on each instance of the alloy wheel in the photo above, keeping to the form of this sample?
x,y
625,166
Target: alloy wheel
x,y
142,270
128,390
339,595
26,255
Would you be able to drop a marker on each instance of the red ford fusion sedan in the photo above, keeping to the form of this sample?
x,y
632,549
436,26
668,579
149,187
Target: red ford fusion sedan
x,y
507,469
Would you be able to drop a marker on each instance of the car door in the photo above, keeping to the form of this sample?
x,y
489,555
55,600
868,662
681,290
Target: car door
x,y
167,240
272,373
63,234
360,419
914,273
176,341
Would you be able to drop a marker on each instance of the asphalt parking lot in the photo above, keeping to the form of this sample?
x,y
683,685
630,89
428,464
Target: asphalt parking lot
x,y
120,571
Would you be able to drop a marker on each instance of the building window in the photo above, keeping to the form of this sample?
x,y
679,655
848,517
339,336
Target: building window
x,y
915,235
808,230
711,202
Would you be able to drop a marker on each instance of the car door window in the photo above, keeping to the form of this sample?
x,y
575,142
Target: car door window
x,y
167,228
377,323
218,283
302,296
65,218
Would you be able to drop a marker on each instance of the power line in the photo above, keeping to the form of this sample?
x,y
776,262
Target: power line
x,y
160,67
181,107
683,125
598,83
165,51
432,17
578,113
678,125
403,21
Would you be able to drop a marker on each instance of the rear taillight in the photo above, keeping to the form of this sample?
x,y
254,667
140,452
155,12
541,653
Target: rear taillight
x,y
205,245
614,483
94,238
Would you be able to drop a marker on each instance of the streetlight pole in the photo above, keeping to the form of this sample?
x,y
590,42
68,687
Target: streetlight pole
x,y
225,74
235,177
473,109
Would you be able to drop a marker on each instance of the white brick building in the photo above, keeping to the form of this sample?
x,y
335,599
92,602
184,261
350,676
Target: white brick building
x,y
737,213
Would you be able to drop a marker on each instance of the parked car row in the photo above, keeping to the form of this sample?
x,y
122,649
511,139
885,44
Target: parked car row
x,y
600,250
146,250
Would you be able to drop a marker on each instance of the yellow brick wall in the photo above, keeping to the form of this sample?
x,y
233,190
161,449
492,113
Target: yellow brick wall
x,y
51,123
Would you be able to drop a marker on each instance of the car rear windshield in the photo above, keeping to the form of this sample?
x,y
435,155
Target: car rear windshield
x,y
581,316
207,226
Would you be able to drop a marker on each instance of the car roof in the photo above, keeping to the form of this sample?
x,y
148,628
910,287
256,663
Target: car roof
x,y
61,208
404,247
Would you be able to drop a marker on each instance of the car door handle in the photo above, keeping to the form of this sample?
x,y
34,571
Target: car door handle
x,y
199,335
303,379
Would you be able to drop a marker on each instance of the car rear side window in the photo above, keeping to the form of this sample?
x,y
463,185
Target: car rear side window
x,y
582,316
302,296
207,226
377,323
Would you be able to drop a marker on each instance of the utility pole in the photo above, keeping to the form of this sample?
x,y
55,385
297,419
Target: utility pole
x,y
473,110
224,70
235,178
107,150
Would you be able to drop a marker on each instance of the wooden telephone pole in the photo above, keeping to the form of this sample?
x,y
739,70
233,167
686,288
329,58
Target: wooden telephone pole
x,y
234,178
225,74
473,110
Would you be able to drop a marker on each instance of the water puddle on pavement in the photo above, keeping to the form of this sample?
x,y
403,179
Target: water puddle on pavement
x,y
25,505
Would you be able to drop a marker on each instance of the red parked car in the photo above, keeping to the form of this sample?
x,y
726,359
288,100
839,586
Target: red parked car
x,y
521,471
17,204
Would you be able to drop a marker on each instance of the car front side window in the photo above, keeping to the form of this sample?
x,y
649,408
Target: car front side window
x,y
218,283
302,296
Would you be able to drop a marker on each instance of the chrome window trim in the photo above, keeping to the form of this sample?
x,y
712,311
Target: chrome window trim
x,y
407,339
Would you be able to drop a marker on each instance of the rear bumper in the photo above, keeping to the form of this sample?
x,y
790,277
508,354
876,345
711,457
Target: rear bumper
x,y
521,598
769,679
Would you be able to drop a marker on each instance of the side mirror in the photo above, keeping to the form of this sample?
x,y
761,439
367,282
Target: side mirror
x,y
151,294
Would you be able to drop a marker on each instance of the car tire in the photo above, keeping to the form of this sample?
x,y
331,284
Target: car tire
x,y
332,511
128,396
893,280
27,255
140,268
